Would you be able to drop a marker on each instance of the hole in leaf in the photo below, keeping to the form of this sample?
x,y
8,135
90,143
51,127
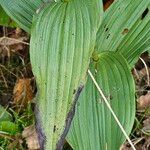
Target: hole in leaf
x,y
107,4
144,13
125,31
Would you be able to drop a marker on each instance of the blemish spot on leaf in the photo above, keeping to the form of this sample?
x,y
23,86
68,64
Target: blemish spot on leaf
x,y
111,97
144,13
108,36
106,29
74,91
54,128
125,31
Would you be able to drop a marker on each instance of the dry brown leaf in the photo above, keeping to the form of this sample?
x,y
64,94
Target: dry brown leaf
x,y
144,101
142,72
146,145
125,147
31,138
23,92
146,125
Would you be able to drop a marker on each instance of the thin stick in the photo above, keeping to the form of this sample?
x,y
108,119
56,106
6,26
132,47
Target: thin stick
x,y
108,105
13,39
147,72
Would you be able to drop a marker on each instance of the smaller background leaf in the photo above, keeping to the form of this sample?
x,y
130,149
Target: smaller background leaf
x,y
5,20
21,11
4,115
8,127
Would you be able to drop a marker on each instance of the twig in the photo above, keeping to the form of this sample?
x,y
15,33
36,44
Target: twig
x,y
136,73
138,140
3,135
8,70
108,105
147,72
13,39
6,85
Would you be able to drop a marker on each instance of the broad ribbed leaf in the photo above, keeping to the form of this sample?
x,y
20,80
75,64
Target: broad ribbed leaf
x,y
21,11
126,29
95,8
62,41
93,126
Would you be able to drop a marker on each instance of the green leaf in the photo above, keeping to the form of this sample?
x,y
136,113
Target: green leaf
x,y
4,115
7,127
93,127
5,19
21,11
95,8
125,29
62,41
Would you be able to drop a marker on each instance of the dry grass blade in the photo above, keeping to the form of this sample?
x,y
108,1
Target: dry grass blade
x,y
147,71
